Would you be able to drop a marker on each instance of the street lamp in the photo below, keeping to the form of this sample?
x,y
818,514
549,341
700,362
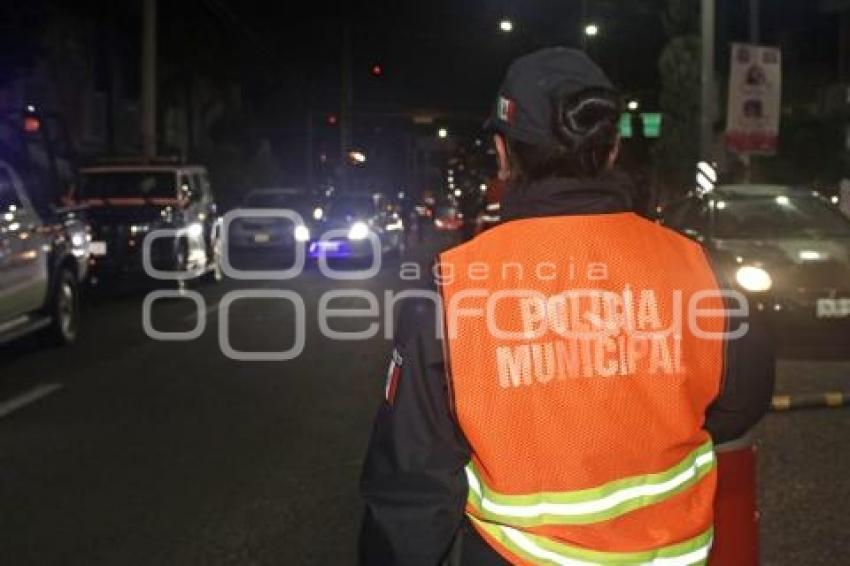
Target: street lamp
x,y
591,30
357,157
633,105
442,133
506,25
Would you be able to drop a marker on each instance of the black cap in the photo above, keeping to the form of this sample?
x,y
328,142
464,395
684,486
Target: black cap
x,y
528,96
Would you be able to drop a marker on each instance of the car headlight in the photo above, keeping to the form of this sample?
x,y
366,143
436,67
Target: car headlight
x,y
139,229
753,279
195,230
359,231
318,213
302,233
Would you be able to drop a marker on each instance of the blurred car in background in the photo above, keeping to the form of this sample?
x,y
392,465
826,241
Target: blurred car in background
x,y
126,202
787,249
351,222
448,217
273,234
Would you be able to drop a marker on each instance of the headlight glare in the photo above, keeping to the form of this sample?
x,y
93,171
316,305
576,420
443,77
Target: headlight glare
x,y
302,234
753,279
195,230
359,231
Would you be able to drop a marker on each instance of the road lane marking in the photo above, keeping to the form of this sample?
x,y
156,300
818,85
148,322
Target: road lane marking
x,y
834,399
210,311
828,399
31,396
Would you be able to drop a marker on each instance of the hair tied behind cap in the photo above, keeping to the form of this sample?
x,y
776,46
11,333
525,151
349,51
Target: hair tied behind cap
x,y
586,120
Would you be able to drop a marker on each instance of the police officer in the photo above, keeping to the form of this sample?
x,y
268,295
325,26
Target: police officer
x,y
561,403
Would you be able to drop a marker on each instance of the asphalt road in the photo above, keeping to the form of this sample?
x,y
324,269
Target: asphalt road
x,y
145,452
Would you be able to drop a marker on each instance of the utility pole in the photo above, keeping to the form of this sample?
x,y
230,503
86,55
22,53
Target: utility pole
x,y
149,78
582,24
707,102
755,16
308,155
748,159
347,103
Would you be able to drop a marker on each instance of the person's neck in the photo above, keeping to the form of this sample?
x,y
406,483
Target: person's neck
x,y
606,194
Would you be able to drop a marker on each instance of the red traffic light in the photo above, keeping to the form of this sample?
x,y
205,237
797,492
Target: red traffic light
x,y
377,70
332,119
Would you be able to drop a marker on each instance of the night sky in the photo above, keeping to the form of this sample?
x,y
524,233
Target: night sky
x,y
443,54
450,53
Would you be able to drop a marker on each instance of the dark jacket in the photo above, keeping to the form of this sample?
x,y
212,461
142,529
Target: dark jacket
x,y
413,480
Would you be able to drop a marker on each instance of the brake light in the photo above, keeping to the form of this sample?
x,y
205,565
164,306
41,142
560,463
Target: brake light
x,y
32,124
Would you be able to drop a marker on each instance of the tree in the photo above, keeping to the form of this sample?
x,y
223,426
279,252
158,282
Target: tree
x,y
679,65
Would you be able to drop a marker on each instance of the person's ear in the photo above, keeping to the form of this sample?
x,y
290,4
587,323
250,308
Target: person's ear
x,y
615,153
502,153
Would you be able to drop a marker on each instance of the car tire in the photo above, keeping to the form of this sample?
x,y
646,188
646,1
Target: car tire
x,y
64,310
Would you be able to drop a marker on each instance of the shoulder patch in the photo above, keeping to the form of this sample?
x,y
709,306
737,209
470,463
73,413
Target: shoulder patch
x,y
393,376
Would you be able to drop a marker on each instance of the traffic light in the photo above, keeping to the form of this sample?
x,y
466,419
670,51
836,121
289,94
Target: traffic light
x,y
332,119
377,70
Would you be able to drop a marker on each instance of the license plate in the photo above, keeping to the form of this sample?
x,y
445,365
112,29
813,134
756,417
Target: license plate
x,y
262,238
321,246
97,248
833,308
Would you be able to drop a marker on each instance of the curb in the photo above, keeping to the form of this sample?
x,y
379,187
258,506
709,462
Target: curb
x,y
828,400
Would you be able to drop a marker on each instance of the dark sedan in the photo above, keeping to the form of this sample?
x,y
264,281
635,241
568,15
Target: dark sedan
x,y
252,231
788,249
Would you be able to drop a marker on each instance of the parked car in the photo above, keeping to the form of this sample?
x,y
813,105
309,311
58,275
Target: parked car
x,y
273,234
43,259
358,218
787,248
126,202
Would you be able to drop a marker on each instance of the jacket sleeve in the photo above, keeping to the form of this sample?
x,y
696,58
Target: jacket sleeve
x,y
413,481
748,379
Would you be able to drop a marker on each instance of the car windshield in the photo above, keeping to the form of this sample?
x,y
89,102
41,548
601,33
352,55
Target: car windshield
x,y
292,201
354,207
779,217
446,211
133,184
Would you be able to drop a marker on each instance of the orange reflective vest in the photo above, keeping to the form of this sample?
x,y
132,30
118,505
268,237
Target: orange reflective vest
x,y
583,354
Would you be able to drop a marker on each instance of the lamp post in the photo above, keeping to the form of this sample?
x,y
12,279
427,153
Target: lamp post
x,y
706,126
591,30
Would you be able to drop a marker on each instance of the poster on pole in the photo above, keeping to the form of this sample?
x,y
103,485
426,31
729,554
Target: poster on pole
x,y
755,99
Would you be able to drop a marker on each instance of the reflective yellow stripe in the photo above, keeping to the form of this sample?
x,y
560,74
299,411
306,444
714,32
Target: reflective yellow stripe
x,y
536,549
590,505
